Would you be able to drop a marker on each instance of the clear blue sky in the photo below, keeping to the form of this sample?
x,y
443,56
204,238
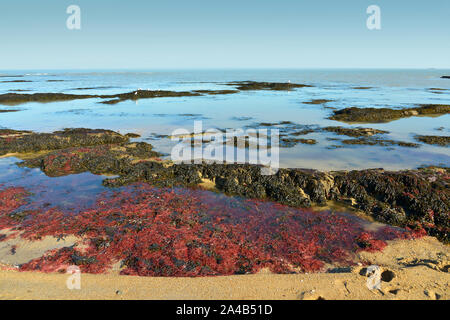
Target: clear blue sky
x,y
224,34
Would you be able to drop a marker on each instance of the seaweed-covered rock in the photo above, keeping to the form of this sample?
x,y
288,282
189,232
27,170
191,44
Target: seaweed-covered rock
x,y
12,141
293,187
290,142
318,101
354,132
402,198
376,141
107,158
18,98
145,94
443,141
377,115
254,85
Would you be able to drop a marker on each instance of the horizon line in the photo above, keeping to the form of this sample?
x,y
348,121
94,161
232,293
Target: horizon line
x,y
230,68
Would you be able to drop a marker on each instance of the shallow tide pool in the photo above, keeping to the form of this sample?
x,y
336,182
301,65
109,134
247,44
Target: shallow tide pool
x,y
160,116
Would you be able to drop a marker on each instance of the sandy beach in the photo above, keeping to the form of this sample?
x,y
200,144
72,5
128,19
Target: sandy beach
x,y
420,269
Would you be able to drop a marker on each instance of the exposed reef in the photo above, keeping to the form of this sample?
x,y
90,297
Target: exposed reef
x,y
254,85
291,142
414,198
13,141
145,94
380,115
318,101
15,81
216,92
376,141
16,98
19,98
443,141
355,132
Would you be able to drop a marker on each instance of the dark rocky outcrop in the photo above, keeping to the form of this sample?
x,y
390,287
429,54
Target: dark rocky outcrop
x,y
18,98
254,85
379,115
376,141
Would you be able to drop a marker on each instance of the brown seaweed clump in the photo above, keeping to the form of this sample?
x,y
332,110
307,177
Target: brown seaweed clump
x,y
443,141
380,115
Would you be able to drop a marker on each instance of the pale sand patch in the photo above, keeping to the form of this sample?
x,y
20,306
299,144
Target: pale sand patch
x,y
17,251
420,268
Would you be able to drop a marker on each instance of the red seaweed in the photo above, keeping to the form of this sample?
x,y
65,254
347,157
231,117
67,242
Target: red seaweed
x,y
184,232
